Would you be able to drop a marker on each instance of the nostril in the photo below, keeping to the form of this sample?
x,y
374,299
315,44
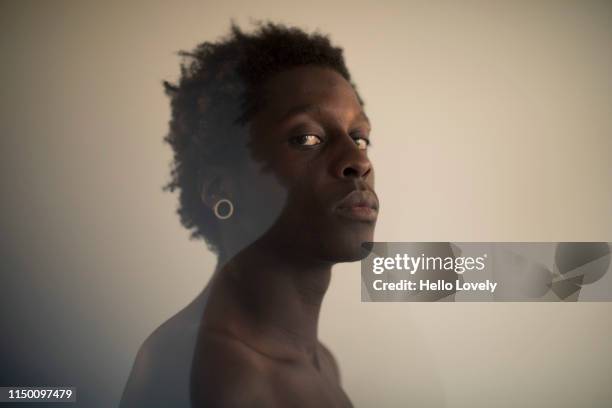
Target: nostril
x,y
350,172
356,171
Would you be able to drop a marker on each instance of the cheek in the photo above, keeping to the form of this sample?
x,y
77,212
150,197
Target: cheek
x,y
260,200
283,188
295,180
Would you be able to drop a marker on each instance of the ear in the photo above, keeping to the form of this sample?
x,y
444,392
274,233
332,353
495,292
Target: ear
x,y
215,185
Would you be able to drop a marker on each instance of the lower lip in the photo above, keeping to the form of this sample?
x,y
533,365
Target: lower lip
x,y
358,213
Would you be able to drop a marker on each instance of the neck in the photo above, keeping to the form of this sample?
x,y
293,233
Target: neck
x,y
271,298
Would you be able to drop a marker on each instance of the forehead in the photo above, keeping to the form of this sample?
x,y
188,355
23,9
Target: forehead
x,y
306,87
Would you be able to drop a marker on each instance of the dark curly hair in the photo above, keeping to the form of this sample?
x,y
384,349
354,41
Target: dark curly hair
x,y
218,91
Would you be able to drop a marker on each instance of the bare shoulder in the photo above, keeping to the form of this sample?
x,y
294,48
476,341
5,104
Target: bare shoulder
x,y
161,368
331,361
227,373
155,377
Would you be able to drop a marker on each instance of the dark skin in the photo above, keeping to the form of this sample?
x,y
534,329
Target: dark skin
x,y
258,342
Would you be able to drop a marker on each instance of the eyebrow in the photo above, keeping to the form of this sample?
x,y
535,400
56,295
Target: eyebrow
x,y
313,108
301,109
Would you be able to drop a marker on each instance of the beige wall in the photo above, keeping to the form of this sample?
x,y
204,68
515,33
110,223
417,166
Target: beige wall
x,y
492,122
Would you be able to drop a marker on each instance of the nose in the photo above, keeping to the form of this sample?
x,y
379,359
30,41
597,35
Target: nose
x,y
352,162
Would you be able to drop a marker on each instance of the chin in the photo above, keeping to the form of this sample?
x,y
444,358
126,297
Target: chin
x,y
350,246
354,256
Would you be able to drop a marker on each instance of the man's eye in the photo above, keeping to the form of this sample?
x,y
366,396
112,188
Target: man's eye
x,y
307,140
361,142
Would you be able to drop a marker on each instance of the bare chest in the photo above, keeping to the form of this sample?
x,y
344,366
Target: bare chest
x,y
309,388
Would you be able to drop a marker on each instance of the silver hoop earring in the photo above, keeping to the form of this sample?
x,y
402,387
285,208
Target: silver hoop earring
x,y
230,209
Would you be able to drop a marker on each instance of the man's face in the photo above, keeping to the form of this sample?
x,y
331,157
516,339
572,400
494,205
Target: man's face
x,y
308,148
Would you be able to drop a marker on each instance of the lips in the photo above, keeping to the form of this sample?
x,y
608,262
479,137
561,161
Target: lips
x,y
359,205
